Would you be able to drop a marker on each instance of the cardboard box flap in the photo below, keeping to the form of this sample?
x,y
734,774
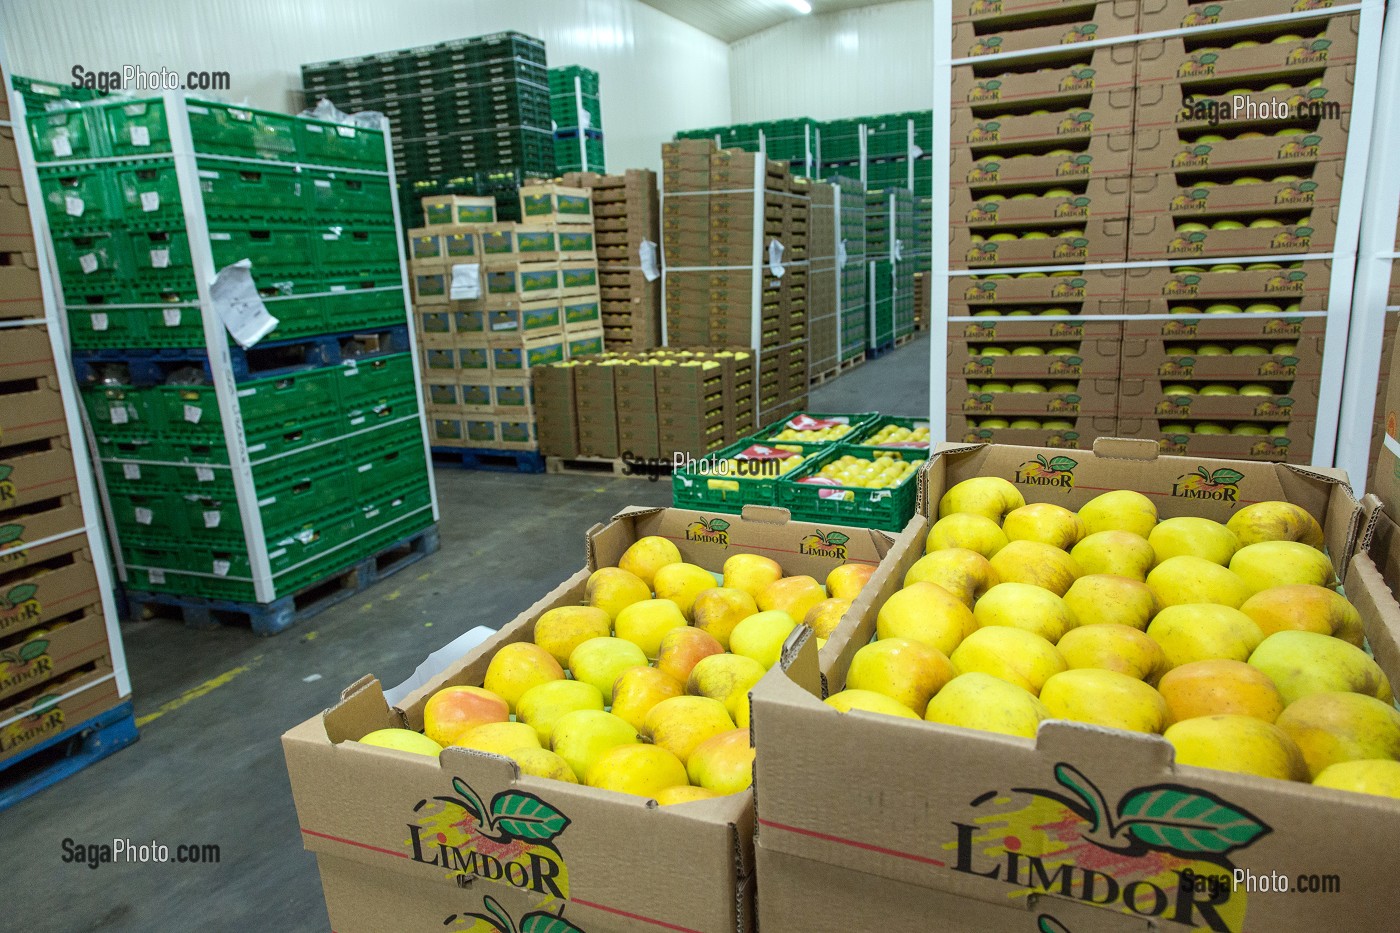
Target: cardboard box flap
x,y
769,514
1126,448
1372,511
1367,590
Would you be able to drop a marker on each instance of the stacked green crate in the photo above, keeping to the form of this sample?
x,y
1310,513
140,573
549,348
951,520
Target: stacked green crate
x,y
790,141
577,115
327,401
905,262
852,271
469,116
40,95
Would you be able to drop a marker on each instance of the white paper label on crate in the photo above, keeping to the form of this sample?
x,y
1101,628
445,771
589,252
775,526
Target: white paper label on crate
x,y
62,146
841,254
322,183
160,259
554,126
364,468
74,206
243,115
466,281
88,262
337,288
212,517
222,567
898,252
99,321
150,201
206,173
356,422
346,131
330,236
235,297
140,136
144,516
264,503
172,317
220,236
131,471
646,252
585,119
193,413
372,513
775,258
119,413
156,576
504,325
204,474
306,536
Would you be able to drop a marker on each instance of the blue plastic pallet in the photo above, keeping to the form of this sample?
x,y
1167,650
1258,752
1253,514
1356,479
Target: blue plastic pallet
x,y
66,754
496,461
286,611
149,366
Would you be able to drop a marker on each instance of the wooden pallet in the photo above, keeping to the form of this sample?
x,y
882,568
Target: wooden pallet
x,y
286,611
604,466
490,459
65,754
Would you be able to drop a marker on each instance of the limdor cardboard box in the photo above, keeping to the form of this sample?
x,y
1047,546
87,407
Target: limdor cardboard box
x,y
610,862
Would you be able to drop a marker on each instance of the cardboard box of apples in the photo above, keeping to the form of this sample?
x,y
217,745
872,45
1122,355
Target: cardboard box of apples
x,y
588,767
1116,679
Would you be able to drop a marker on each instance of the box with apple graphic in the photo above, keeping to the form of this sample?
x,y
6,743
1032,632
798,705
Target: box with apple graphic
x,y
1267,402
1267,287
1079,816
1217,350
1088,291
1003,30
1081,159
1277,53
1162,236
1066,399
1094,359
1257,105
1188,14
1105,113
1060,433
1276,197
468,821
991,83
1055,209
1275,442
37,714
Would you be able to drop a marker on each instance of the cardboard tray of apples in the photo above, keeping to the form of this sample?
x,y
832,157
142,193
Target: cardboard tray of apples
x,y
1103,675
595,752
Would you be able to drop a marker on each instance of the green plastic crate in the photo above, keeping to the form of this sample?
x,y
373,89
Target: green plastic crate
x,y
376,381
372,301
223,129
253,192
276,251
98,327
857,421
91,260
331,144
387,458
120,412
135,127
863,436
359,250
696,489
160,259
347,195
61,135
76,198
888,509
147,192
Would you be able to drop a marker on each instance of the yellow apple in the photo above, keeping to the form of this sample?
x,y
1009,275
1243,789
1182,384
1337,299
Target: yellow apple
x,y
1119,510
1113,647
1105,598
562,629
718,609
641,770
405,740
761,636
1337,727
681,583
1023,606
793,595
542,706
645,623
1104,698
1196,537
453,711
601,661
964,573
965,530
989,496
1240,744
647,555
1279,563
1301,663
1011,654
846,582
1044,522
1121,553
723,764
868,701
581,738
751,573
682,723
1038,564
1201,631
991,704
638,689
613,589
1188,579
902,670
928,614
517,667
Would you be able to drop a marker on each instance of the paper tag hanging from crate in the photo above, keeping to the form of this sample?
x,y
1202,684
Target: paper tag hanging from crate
x,y
466,281
235,297
646,252
775,258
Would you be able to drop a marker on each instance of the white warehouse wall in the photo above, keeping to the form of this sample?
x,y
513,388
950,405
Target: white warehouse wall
x,y
869,60
657,74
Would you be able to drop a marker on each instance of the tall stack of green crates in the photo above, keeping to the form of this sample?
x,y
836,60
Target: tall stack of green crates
x,y
890,247
244,475
578,120
790,141
851,272
39,95
469,116
905,262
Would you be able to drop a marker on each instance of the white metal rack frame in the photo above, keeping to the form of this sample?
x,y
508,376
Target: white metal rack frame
x,y
183,156
760,247
1375,261
55,323
1326,437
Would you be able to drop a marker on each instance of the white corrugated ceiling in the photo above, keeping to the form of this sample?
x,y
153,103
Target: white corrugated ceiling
x,y
732,20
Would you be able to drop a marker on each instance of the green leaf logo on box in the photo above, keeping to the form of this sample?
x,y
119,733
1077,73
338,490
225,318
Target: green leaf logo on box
x,y
496,920
1222,485
708,531
824,544
1054,471
1163,850
511,840
25,662
7,486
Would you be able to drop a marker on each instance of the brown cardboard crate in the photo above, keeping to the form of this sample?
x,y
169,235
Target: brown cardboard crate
x,y
1161,290
537,242
37,471
1090,359
63,584
1106,113
1161,236
1102,199
974,804
1293,443
1069,433
456,209
1096,157
1149,398
1088,291
1315,188
26,353
1187,14
1010,331
1018,84
31,410
78,640
991,34
1096,398
1205,59
498,247
1148,353
1092,240
97,693
556,204
20,293
36,521
1181,105
505,286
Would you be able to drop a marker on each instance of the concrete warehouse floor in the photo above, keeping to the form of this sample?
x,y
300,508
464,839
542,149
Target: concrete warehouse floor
x,y
213,704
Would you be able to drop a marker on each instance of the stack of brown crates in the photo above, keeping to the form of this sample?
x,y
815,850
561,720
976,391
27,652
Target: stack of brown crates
x,y
626,219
